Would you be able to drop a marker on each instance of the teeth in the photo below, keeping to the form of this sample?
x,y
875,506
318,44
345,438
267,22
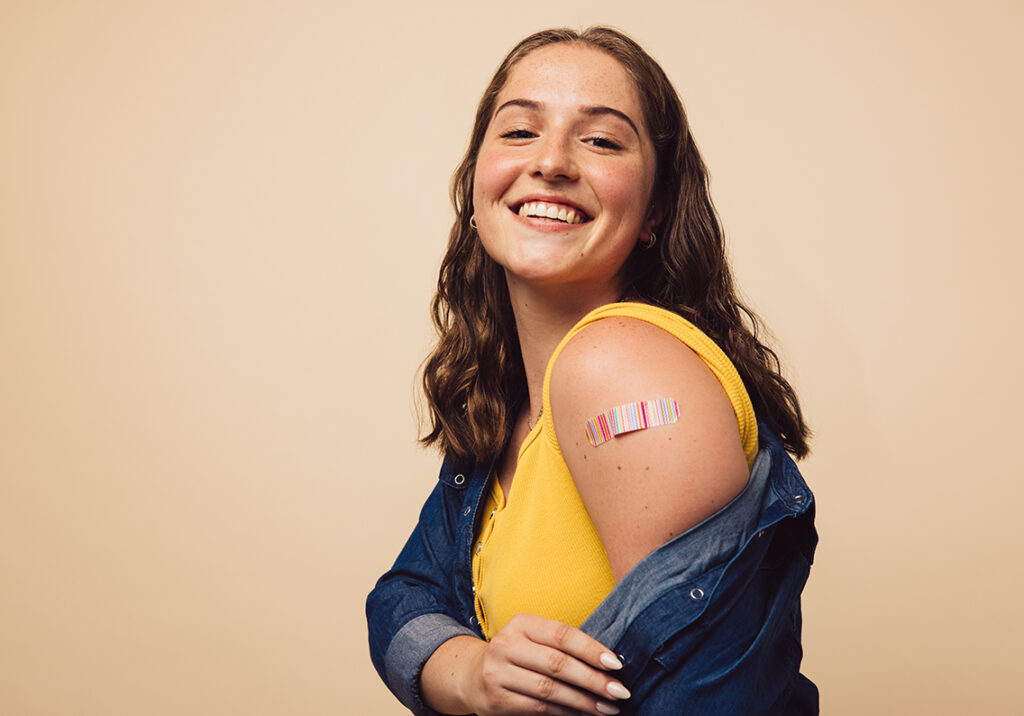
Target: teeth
x,y
551,211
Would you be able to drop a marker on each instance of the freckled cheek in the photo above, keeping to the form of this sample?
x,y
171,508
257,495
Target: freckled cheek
x,y
495,173
624,187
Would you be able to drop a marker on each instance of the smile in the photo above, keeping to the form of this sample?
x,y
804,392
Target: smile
x,y
555,212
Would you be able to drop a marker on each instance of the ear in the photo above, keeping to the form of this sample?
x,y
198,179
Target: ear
x,y
654,216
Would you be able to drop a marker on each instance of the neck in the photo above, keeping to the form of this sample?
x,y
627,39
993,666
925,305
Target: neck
x,y
543,317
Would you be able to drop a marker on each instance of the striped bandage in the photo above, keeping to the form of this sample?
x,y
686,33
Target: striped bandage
x,y
632,416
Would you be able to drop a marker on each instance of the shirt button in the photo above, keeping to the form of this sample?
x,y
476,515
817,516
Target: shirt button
x,y
479,546
465,512
459,479
697,593
472,620
492,513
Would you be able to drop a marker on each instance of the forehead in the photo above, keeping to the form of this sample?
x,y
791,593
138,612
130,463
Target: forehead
x,y
573,74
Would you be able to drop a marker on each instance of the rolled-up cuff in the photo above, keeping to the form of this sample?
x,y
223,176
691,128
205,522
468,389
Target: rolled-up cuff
x,y
409,651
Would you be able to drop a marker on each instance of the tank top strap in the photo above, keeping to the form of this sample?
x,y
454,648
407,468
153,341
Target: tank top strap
x,y
694,338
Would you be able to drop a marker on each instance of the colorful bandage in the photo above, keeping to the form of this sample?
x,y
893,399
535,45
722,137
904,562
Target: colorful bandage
x,y
632,416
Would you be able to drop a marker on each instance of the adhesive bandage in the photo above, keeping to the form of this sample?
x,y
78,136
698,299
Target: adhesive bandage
x,y
632,416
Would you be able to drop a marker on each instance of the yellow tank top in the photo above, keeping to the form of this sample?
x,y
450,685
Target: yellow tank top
x,y
538,552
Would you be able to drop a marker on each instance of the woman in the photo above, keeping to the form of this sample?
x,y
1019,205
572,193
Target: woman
x,y
606,535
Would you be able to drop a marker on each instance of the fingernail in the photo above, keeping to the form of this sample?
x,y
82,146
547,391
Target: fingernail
x,y
607,708
618,690
610,661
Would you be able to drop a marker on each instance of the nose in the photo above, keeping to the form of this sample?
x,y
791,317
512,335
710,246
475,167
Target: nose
x,y
553,160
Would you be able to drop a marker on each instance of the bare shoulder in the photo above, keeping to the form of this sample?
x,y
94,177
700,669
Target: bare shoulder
x,y
644,487
616,361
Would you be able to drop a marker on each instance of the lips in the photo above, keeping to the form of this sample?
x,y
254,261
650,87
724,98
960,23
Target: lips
x,y
552,211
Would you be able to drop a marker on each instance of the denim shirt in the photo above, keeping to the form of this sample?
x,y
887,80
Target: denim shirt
x,y
708,623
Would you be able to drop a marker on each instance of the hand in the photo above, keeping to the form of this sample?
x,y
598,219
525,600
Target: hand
x,y
537,665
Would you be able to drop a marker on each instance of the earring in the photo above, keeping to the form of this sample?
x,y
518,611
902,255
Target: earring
x,y
472,221
648,244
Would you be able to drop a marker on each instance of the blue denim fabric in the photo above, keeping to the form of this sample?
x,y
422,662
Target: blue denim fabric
x,y
708,623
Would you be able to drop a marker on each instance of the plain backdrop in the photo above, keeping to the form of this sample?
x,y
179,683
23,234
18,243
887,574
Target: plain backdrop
x,y
220,225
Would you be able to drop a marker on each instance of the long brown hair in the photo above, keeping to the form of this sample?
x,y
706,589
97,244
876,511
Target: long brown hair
x,y
474,376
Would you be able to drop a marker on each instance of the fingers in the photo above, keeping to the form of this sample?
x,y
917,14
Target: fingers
x,y
512,703
509,690
560,666
569,640
537,687
553,664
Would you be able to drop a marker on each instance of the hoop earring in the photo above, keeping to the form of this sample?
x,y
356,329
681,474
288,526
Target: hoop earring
x,y
647,245
472,222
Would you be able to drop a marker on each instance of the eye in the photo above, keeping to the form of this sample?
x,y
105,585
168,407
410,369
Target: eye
x,y
518,134
603,143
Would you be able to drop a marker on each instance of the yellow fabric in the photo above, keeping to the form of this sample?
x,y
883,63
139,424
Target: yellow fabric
x,y
538,552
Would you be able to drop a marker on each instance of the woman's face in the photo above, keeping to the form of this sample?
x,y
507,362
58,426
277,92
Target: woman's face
x,y
564,176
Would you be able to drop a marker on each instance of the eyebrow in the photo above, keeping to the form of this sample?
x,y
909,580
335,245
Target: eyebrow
x,y
589,110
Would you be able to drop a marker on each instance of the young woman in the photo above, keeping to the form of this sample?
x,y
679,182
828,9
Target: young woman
x,y
618,527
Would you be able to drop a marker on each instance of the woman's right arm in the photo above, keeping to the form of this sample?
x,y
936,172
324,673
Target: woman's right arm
x,y
414,607
433,663
531,663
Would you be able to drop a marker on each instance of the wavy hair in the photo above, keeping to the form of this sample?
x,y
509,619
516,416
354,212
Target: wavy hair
x,y
474,376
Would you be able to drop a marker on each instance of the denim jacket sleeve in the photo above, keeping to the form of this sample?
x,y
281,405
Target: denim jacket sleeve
x,y
416,605
709,623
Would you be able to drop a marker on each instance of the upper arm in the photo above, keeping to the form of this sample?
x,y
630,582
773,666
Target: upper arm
x,y
643,488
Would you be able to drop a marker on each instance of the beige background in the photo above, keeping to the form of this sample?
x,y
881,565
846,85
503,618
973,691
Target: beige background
x,y
219,228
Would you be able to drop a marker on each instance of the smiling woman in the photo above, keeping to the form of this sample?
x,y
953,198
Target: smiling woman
x,y
659,568
564,139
